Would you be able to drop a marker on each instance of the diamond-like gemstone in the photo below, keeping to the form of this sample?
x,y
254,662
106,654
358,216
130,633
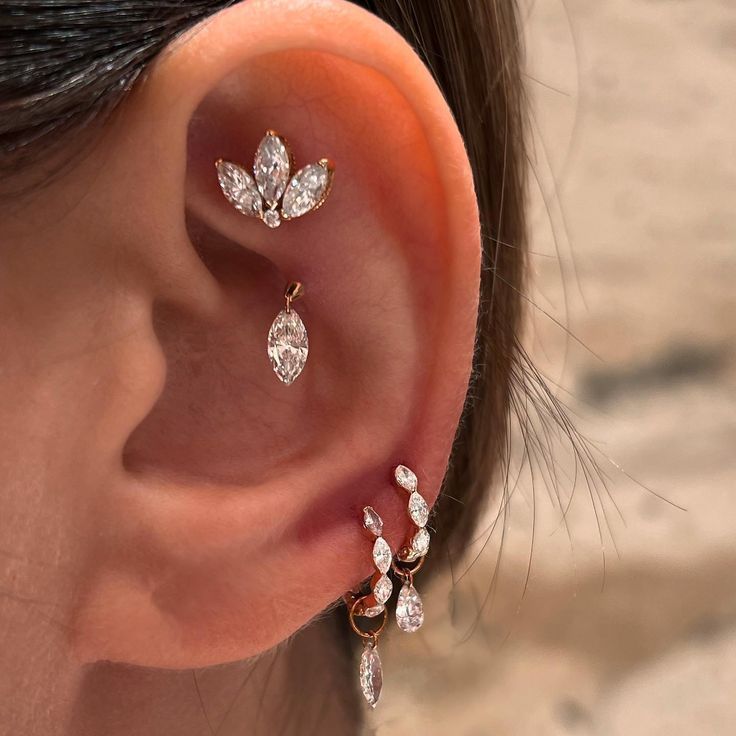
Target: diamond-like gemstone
x,y
405,478
372,521
371,674
418,509
272,218
382,589
288,345
306,190
373,611
382,555
409,609
239,188
272,168
420,543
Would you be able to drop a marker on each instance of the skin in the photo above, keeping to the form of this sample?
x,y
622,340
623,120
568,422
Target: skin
x,y
167,502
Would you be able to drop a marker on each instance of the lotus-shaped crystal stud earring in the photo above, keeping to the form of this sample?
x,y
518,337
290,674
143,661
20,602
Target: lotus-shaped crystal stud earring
x,y
272,193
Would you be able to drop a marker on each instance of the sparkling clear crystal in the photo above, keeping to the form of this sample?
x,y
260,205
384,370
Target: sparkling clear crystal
x,y
272,168
409,609
405,478
420,543
372,521
382,555
239,188
288,346
418,509
373,611
306,190
272,218
371,674
382,589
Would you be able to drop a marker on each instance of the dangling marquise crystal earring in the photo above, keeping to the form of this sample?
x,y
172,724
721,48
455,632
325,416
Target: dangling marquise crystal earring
x,y
371,605
272,193
410,558
288,345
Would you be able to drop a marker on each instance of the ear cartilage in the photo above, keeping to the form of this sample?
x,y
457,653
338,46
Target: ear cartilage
x,y
410,558
272,193
371,605
288,344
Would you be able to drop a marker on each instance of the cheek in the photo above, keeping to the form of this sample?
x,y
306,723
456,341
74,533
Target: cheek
x,y
80,370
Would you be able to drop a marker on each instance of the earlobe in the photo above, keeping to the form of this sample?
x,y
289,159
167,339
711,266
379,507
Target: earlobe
x,y
235,479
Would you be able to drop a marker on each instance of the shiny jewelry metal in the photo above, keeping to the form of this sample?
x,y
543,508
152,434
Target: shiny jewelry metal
x,y
273,194
370,605
288,344
410,558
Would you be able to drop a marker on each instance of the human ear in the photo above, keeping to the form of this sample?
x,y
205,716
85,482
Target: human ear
x,y
229,509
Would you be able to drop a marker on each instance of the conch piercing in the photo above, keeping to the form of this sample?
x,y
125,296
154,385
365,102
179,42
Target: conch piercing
x,y
410,558
288,345
272,193
371,605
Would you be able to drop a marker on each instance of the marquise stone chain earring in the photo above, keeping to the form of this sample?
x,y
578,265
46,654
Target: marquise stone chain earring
x,y
371,604
410,558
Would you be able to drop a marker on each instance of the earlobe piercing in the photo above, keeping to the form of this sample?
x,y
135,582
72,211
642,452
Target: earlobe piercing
x,y
288,344
272,193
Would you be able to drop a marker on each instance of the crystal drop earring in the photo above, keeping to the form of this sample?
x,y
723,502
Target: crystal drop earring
x,y
371,605
288,344
272,193
410,558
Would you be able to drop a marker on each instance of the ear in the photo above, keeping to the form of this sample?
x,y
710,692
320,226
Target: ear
x,y
230,516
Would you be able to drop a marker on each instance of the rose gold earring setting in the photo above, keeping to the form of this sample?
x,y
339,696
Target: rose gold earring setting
x,y
371,605
405,565
410,558
272,193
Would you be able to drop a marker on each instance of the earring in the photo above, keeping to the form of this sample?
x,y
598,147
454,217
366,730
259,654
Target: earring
x,y
371,605
272,193
288,345
410,558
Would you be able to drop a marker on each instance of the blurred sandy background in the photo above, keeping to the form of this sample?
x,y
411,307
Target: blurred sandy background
x,y
631,631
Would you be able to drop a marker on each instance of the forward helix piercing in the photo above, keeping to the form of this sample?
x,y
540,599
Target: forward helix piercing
x,y
272,193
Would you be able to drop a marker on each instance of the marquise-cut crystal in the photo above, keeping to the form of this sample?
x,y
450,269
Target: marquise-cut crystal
x,y
372,521
306,190
288,345
371,674
418,509
420,543
382,555
406,478
239,188
409,609
373,611
272,168
382,589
